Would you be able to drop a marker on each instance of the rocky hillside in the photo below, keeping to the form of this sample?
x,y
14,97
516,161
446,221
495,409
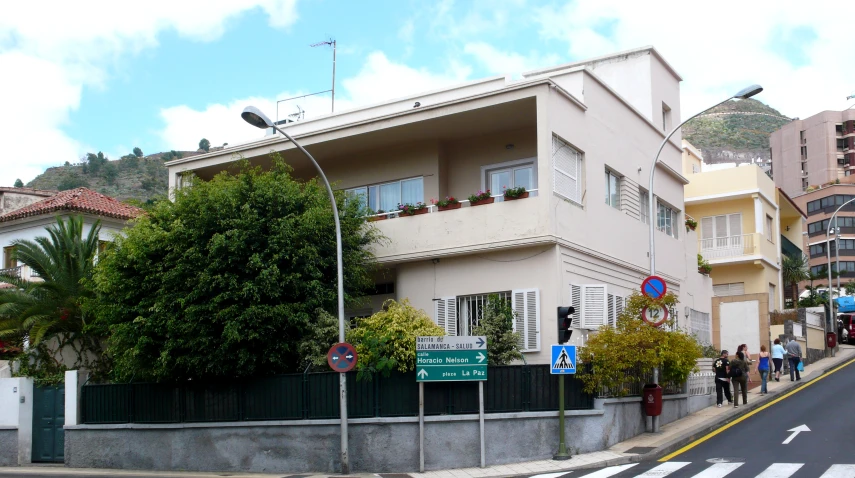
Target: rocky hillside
x,y
137,177
737,131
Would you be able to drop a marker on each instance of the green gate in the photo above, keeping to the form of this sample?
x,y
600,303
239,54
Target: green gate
x,y
48,420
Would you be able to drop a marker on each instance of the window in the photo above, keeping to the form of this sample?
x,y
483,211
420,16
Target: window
x,y
723,290
667,220
460,315
644,205
769,231
383,289
700,326
510,175
666,118
695,169
8,262
817,249
594,306
715,228
772,300
387,196
567,174
612,190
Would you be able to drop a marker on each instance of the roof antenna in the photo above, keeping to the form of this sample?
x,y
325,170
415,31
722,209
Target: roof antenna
x,y
330,42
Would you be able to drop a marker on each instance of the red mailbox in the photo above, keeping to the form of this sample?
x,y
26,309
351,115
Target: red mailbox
x,y
652,396
831,338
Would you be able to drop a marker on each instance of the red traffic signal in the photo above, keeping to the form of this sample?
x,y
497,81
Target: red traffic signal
x,y
564,321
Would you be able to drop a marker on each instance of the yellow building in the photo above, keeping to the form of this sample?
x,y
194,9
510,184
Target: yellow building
x,y
744,225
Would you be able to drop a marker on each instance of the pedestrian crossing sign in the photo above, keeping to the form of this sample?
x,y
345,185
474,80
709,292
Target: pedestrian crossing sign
x,y
563,359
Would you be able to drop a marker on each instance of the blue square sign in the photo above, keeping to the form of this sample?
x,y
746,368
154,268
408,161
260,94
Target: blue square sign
x,y
563,359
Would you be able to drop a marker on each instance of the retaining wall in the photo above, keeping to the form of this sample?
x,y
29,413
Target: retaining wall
x,y
8,446
376,445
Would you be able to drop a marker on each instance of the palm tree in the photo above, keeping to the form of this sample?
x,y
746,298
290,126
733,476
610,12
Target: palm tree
x,y
794,269
50,304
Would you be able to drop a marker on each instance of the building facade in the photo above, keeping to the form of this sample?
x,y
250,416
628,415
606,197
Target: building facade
x,y
814,151
579,138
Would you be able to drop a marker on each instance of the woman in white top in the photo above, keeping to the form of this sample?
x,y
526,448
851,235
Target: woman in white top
x,y
778,358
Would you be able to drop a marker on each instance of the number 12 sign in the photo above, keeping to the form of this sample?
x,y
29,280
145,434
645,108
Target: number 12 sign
x,y
655,315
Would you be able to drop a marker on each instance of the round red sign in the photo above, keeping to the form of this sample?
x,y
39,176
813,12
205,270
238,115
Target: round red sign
x,y
655,315
342,357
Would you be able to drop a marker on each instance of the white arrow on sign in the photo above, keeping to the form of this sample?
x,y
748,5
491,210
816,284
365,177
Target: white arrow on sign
x,y
349,356
422,373
480,357
796,431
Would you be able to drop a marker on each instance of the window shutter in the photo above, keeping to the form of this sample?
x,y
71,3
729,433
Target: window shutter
x,y
566,168
594,307
526,305
735,222
612,307
707,228
576,302
619,303
446,314
721,226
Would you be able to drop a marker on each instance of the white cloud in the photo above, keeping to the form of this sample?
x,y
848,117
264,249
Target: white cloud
x,y
719,47
501,62
379,80
48,59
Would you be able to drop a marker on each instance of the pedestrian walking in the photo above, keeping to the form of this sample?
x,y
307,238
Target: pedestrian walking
x,y
794,354
722,380
739,378
763,368
778,358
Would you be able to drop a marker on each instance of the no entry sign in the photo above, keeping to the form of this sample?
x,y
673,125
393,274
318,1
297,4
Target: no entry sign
x,y
342,357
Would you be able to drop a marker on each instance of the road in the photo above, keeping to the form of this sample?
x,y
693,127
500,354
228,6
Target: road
x,y
755,446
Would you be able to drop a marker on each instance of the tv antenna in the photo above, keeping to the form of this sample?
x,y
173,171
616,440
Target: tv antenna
x,y
300,114
330,42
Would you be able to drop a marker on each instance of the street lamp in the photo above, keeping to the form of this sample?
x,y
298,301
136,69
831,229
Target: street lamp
x,y
255,117
743,94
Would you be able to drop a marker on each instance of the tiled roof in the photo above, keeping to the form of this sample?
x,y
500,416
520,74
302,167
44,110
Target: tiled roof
x,y
76,200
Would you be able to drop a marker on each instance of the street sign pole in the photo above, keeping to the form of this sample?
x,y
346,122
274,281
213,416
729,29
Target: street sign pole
x,y
562,445
481,421
422,427
655,288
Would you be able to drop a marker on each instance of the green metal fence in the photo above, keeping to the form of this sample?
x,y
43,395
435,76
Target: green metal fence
x,y
315,396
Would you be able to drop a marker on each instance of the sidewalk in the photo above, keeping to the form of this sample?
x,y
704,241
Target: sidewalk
x,y
640,448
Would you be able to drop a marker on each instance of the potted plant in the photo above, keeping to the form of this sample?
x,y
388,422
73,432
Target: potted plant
x,y
481,197
445,204
515,193
691,224
378,218
408,209
704,267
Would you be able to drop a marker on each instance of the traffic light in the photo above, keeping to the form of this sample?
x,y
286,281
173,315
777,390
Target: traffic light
x,y
564,321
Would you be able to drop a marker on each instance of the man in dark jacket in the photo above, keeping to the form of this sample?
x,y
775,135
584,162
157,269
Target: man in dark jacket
x,y
722,382
794,354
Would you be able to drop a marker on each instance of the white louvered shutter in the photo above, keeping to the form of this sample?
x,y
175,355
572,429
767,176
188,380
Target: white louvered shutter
x,y
619,304
446,314
612,307
594,307
526,305
706,228
735,223
576,303
567,168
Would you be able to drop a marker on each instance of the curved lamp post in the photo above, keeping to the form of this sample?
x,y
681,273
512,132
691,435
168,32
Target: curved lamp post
x,y
255,117
743,94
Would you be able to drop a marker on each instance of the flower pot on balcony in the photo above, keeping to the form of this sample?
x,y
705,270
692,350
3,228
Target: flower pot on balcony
x,y
449,207
482,202
415,212
377,218
521,196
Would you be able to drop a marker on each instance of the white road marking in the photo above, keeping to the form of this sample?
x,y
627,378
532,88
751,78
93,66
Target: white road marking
x,y
551,475
665,469
610,471
780,470
718,470
840,471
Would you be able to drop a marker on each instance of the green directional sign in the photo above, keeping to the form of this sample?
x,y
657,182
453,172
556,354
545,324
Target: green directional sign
x,y
446,359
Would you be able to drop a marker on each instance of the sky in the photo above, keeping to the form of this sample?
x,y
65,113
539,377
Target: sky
x,y
93,75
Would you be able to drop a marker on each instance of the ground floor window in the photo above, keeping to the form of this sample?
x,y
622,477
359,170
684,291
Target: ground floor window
x,y
460,315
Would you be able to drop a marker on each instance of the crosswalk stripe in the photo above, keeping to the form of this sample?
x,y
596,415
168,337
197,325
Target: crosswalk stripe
x,y
551,475
840,471
718,470
610,471
665,469
780,470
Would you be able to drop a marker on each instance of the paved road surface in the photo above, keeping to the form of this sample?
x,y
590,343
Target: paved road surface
x,y
754,447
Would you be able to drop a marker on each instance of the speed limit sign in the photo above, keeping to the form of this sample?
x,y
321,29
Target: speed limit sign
x,y
655,315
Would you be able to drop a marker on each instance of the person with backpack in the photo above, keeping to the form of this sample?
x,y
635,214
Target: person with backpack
x,y
739,378
794,354
722,381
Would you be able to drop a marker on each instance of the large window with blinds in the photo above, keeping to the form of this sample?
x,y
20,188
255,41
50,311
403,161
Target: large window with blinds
x,y
567,171
721,232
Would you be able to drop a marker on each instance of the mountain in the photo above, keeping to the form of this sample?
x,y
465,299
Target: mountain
x,y
141,178
737,131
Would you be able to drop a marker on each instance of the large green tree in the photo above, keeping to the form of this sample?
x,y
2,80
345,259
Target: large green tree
x,y
225,280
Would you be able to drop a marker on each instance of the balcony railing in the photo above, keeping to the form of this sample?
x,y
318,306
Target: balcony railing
x,y
431,208
21,272
727,247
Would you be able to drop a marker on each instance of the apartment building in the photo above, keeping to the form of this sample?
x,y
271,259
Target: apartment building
x,y
16,198
745,225
814,151
578,137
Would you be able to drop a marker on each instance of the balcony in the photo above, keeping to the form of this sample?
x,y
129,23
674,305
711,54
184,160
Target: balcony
x,y
730,247
21,272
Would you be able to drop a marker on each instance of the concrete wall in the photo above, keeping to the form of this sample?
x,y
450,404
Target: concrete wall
x,y
387,445
8,446
16,421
